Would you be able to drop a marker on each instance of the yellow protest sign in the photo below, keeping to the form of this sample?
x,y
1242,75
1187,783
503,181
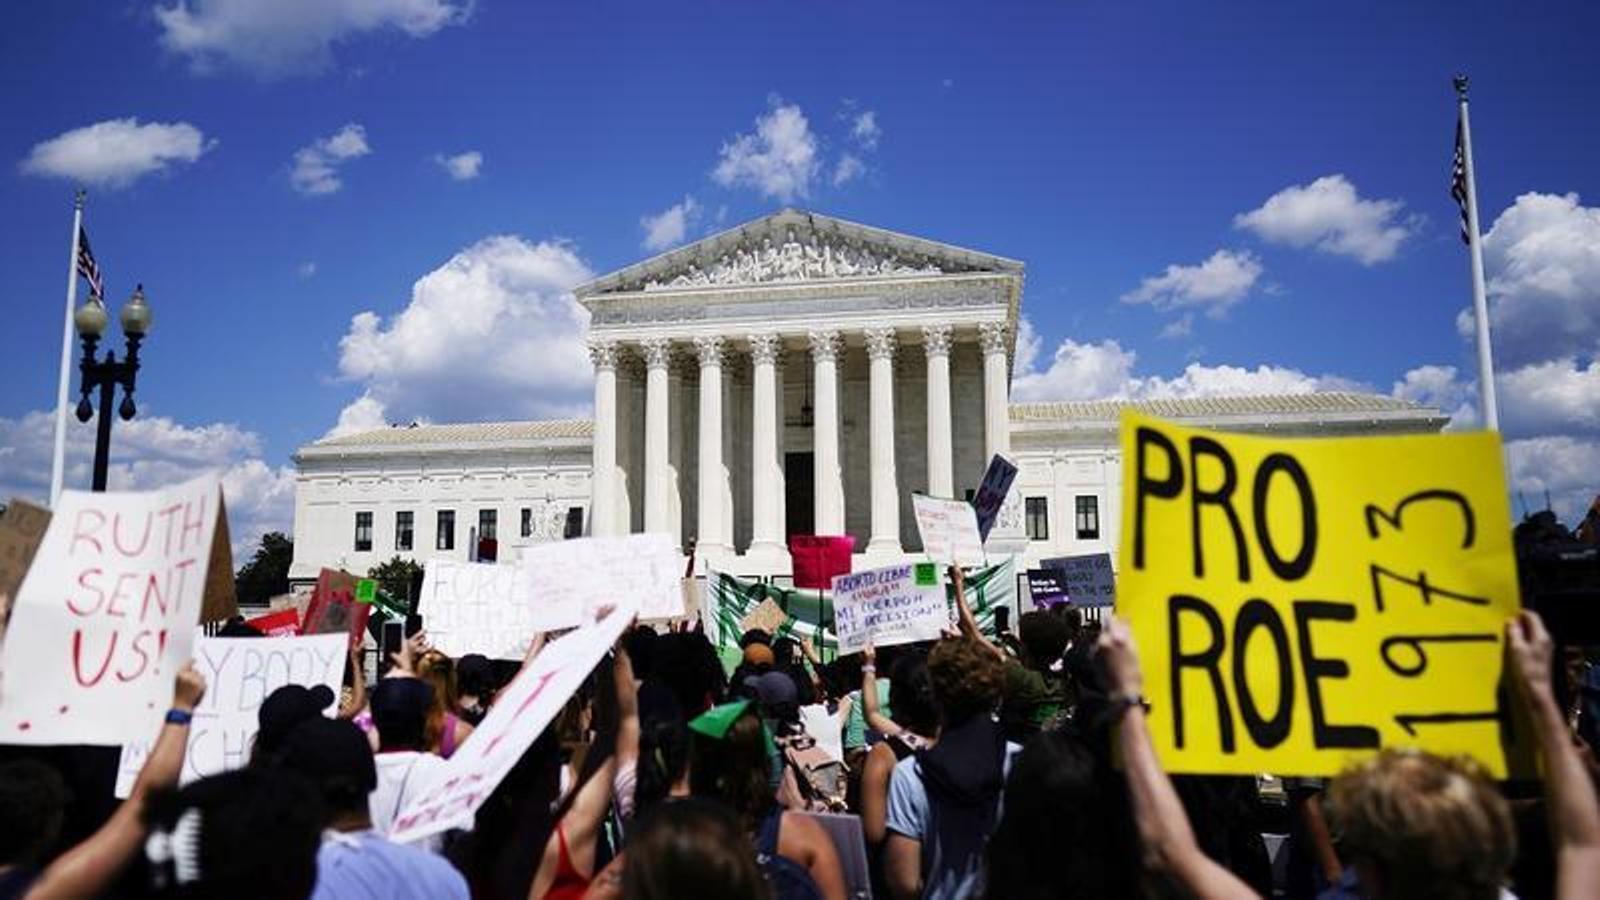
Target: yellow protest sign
x,y
1300,603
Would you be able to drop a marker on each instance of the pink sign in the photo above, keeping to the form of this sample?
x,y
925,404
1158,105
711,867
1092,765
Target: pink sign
x,y
817,558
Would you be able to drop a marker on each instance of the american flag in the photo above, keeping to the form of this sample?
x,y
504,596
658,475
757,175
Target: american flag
x,y
1458,182
88,268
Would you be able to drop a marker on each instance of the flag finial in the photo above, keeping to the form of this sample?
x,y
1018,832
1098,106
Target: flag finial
x,y
1461,87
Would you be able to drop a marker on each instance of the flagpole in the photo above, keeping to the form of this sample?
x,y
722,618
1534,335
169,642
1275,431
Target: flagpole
x,y
58,461
1480,304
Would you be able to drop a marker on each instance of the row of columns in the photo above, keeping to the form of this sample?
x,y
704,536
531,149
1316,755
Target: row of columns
x,y
715,527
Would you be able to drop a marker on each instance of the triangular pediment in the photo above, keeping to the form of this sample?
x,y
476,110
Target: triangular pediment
x,y
795,246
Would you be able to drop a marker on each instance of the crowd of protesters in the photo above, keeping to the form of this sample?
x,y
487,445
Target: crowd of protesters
x,y
1015,768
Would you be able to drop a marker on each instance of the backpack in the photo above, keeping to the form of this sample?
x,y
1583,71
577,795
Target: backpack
x,y
822,780
788,879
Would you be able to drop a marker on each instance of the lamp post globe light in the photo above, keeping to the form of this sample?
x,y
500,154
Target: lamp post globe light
x,y
90,320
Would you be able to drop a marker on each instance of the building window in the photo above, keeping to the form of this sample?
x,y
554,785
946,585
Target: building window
x,y
446,539
1038,515
1088,518
574,528
487,519
363,531
527,522
402,530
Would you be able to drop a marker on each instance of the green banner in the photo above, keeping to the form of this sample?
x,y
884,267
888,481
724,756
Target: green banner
x,y
728,599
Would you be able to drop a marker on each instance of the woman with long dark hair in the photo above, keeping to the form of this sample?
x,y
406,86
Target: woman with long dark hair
x,y
730,761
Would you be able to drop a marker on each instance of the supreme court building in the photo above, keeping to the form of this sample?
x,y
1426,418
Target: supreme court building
x,y
798,374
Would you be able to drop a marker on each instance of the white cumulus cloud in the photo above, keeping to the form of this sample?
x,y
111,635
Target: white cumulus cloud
x,y
152,451
669,227
865,130
1330,215
316,166
1561,465
283,37
849,168
778,159
117,152
462,166
1542,260
365,413
493,333
1081,370
1214,285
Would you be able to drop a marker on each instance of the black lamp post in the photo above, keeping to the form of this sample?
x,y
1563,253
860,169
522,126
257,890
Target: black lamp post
x,y
91,320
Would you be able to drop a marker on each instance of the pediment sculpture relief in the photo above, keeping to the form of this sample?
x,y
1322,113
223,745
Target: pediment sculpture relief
x,y
796,258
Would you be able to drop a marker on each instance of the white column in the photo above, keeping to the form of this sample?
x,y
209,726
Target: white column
x,y
885,493
936,344
828,497
677,444
657,414
712,536
996,390
766,475
603,475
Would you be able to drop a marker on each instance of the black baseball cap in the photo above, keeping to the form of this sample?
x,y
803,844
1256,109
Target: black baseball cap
x,y
285,708
335,756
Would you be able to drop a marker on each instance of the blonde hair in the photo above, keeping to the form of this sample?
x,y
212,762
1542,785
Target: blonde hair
x,y
1428,826
438,670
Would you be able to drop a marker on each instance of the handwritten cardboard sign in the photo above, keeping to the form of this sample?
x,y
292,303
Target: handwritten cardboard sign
x,y
816,558
476,608
106,615
569,582
949,530
768,616
1300,604
992,492
1047,587
21,531
240,673
219,601
454,792
1088,579
333,608
892,605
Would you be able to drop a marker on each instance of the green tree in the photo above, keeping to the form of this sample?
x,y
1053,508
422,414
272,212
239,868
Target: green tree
x,y
266,575
396,577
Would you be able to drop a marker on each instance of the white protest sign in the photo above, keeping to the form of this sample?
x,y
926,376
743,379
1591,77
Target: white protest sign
x,y
454,791
568,582
1088,579
949,530
476,608
106,615
824,728
892,605
240,673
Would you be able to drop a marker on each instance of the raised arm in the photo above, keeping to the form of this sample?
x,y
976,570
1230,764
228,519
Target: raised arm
x,y
965,618
871,710
627,708
88,869
1164,830
1569,794
579,829
358,687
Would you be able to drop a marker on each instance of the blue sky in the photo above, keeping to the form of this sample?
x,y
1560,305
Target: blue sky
x,y
1210,198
